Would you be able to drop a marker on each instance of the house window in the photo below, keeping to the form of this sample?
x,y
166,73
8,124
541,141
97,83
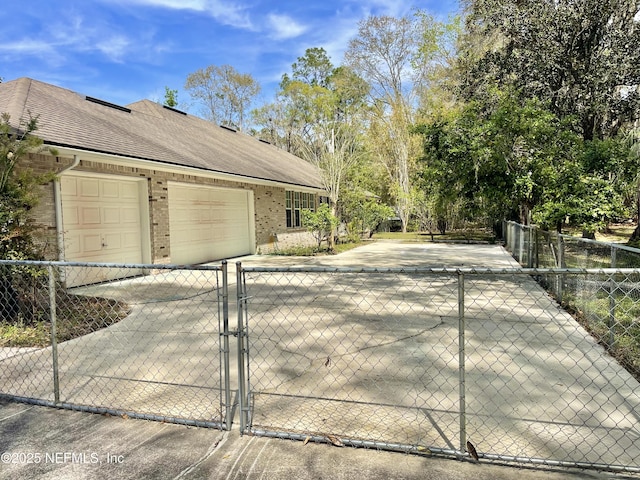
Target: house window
x,y
295,203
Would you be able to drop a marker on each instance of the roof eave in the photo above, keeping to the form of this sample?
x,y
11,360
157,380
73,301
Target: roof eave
x,y
152,164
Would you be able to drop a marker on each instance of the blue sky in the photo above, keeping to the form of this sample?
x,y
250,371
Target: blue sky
x,y
127,50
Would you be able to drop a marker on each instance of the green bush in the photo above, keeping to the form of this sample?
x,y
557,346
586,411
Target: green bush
x,y
320,223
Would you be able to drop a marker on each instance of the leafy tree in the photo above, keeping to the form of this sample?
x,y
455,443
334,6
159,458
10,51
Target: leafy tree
x,y
320,223
569,72
224,93
18,189
632,141
512,158
314,68
18,195
170,97
580,58
364,211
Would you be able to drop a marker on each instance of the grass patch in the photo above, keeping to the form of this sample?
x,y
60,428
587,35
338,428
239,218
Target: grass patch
x,y
76,316
21,335
616,233
459,236
313,251
593,313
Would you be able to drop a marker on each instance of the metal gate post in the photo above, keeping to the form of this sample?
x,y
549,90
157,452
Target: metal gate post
x,y
611,322
561,264
225,346
242,389
54,341
461,362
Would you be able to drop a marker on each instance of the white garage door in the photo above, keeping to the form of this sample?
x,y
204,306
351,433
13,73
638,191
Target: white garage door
x,y
208,223
101,223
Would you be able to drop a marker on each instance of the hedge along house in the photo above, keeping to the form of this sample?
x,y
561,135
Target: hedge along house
x,y
149,184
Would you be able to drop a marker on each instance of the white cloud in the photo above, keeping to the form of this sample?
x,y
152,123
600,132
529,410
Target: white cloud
x,y
76,35
40,49
61,40
224,12
27,47
115,47
393,8
284,27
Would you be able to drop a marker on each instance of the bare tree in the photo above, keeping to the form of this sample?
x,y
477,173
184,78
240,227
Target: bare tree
x,y
383,54
224,94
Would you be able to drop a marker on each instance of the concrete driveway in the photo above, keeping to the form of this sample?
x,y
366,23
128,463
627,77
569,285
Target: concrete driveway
x,y
163,360
372,357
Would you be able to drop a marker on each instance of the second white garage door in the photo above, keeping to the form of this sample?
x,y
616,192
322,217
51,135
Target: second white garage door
x,y
208,223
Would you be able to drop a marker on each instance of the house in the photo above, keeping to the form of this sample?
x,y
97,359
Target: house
x,y
147,183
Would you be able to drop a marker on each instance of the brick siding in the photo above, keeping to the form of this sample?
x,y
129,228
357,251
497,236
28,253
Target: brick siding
x,y
269,204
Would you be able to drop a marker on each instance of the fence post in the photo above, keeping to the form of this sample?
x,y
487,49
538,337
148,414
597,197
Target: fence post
x,y
521,244
461,362
611,322
225,345
512,238
54,341
561,264
536,247
533,247
243,404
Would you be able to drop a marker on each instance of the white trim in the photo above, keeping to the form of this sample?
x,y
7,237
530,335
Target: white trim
x,y
252,220
179,169
57,205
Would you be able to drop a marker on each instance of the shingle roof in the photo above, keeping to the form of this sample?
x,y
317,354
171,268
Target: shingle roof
x,y
149,131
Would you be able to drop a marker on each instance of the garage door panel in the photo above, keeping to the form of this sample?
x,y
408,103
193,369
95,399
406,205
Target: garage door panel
x,y
112,240
72,216
130,216
131,240
90,216
111,215
110,189
89,188
90,244
129,191
69,186
72,244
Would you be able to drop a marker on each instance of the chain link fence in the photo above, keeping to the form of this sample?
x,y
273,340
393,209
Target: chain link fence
x,y
536,248
424,360
414,360
147,343
606,305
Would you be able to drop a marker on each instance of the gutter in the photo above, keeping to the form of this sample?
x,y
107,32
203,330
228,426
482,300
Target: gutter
x,y
149,164
57,201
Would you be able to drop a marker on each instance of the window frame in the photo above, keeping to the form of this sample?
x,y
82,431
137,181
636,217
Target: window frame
x,y
295,203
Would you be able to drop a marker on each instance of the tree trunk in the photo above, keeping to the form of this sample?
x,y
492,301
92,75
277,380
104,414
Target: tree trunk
x,y
559,227
334,231
9,302
635,236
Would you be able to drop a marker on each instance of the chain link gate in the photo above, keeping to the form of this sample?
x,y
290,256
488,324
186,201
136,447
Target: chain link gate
x,y
148,343
424,360
414,360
